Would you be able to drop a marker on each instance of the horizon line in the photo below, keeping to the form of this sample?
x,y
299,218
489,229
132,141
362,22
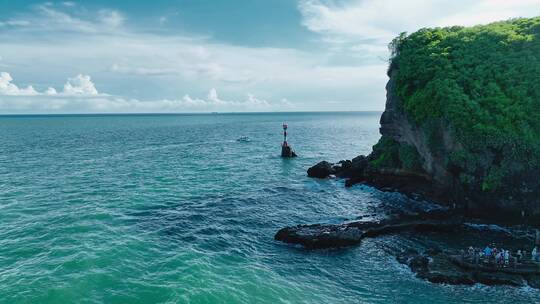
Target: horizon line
x,y
181,113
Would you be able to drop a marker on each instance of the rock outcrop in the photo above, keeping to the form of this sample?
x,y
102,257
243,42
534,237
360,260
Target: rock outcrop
x,y
321,170
436,266
461,128
342,235
433,265
287,152
429,173
461,120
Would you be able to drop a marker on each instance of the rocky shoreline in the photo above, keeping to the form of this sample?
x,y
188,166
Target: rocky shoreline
x,y
435,265
425,152
411,183
319,236
358,171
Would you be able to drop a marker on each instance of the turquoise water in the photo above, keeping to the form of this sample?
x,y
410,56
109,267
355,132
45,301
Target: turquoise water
x,y
172,209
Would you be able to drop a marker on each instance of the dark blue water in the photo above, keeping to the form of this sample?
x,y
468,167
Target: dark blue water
x,y
173,209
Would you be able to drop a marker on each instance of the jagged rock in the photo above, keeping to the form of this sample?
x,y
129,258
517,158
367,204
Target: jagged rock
x,y
287,152
321,170
438,267
348,234
323,236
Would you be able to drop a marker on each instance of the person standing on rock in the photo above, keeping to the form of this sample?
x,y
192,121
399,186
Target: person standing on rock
x,y
488,252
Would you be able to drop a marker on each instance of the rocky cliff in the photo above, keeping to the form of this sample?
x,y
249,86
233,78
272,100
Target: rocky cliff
x,y
432,175
462,120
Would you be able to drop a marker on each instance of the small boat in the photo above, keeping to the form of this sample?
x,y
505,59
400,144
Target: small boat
x,y
243,139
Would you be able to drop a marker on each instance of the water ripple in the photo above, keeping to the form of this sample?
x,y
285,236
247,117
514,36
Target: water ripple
x,y
171,209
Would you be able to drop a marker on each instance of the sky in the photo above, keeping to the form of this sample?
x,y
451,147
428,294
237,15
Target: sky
x,y
213,56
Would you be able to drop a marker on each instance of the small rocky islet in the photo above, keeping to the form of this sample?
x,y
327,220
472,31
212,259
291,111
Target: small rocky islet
x,y
460,130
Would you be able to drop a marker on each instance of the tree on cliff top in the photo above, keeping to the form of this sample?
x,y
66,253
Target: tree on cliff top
x,y
483,83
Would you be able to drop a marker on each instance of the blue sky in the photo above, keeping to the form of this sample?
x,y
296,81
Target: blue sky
x,y
221,55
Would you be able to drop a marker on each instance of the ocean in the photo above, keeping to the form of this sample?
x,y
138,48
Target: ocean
x,y
173,209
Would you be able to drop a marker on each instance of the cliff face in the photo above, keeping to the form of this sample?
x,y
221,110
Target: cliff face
x,y
395,125
442,181
461,112
462,120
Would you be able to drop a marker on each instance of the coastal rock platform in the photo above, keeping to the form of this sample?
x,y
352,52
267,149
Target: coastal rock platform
x,y
433,264
319,236
437,266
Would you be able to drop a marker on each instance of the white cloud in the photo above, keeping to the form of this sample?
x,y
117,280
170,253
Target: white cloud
x,y
111,18
383,19
111,104
371,24
250,103
80,85
157,67
143,71
8,88
165,18
51,91
60,17
12,22
49,18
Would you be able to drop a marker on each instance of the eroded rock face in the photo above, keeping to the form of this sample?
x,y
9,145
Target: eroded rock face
x,y
435,178
444,175
396,125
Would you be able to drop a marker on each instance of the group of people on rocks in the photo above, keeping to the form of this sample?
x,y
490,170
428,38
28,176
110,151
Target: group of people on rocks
x,y
500,257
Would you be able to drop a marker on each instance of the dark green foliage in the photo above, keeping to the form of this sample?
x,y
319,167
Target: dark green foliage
x,y
387,151
409,157
483,82
393,155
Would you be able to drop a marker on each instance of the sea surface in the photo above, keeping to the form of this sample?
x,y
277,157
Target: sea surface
x,y
173,209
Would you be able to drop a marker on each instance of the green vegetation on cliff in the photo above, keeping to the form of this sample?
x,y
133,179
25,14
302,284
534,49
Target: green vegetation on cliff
x,y
482,84
391,154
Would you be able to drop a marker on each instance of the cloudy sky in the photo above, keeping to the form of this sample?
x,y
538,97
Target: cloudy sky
x,y
216,55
